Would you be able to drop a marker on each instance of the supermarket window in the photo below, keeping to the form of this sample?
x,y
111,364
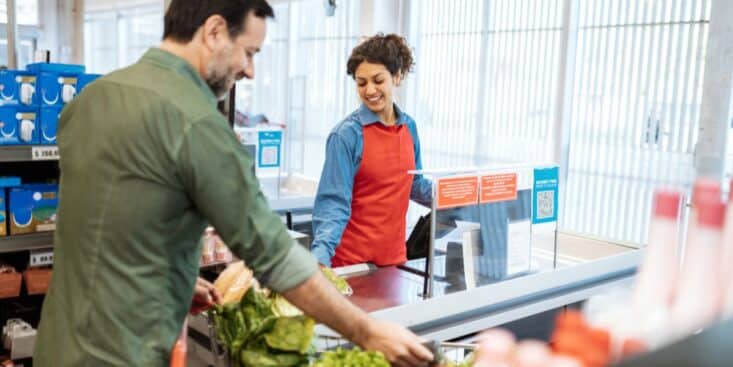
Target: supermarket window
x,y
478,94
27,33
636,105
27,12
116,35
305,51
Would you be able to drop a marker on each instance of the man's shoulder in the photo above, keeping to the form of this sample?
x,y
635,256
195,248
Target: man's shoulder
x,y
160,90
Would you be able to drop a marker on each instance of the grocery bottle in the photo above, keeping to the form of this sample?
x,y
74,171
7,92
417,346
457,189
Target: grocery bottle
x,y
655,283
727,258
496,348
698,296
532,353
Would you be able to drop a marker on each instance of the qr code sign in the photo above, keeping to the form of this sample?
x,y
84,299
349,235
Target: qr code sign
x,y
269,156
545,204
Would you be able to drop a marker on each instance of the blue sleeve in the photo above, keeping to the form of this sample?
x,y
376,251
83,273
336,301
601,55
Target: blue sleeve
x,y
422,188
332,208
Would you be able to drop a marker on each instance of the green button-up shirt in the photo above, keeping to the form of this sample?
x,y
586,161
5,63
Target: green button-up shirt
x,y
146,162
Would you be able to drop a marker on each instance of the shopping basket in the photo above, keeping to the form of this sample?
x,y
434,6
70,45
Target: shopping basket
x,y
325,340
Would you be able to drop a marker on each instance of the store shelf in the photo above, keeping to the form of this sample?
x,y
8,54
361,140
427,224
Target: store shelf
x,y
26,242
28,153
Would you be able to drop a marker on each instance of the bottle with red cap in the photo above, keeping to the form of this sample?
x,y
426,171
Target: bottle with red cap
x,y
727,258
657,278
698,300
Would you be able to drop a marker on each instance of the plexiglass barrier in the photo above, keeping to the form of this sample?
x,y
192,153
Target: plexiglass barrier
x,y
488,225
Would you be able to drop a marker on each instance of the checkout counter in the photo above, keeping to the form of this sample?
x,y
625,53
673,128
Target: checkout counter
x,y
491,254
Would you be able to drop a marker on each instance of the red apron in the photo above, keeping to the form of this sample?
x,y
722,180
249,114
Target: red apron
x,y
381,193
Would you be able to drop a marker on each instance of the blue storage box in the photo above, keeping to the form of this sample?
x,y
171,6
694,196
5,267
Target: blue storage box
x,y
49,124
54,67
9,181
57,83
18,87
55,89
18,125
32,208
86,79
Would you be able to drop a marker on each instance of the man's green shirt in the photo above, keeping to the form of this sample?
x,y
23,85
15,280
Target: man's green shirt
x,y
146,162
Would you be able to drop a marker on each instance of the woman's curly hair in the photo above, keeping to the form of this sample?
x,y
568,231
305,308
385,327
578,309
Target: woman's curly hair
x,y
389,50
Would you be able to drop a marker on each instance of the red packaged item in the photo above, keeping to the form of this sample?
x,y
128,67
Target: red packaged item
x,y
575,338
9,282
37,280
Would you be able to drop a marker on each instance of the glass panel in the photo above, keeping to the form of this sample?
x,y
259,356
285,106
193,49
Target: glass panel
x,y
305,51
118,36
489,225
101,42
140,29
27,12
636,103
478,93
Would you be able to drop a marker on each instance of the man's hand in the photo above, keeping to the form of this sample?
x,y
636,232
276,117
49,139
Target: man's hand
x,y
399,345
204,295
318,298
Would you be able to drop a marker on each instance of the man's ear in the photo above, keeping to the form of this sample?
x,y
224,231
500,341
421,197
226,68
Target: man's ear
x,y
213,31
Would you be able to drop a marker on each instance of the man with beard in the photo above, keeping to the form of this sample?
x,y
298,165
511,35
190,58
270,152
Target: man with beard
x,y
146,162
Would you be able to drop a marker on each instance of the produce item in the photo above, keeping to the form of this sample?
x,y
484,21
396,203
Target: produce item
x,y
351,358
242,283
254,335
225,279
467,363
339,282
282,307
234,282
287,334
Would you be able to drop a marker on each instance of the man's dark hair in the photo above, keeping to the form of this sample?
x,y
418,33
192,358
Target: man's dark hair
x,y
185,17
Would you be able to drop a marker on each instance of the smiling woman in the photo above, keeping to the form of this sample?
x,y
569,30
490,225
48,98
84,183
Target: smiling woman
x,y
365,187
378,65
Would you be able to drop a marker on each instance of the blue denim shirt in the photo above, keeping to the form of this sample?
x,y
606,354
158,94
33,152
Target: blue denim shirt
x,y
344,149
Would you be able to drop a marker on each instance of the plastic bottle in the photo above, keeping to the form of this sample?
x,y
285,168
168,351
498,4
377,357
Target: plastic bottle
x,y
532,353
704,187
727,258
209,242
655,283
698,300
563,361
496,348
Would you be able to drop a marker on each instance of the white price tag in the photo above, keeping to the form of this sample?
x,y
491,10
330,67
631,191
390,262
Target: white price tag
x,y
41,257
45,153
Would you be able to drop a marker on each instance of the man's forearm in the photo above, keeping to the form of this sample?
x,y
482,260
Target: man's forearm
x,y
318,298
